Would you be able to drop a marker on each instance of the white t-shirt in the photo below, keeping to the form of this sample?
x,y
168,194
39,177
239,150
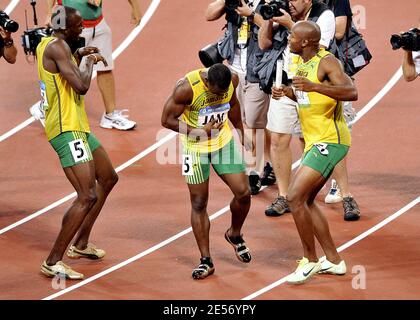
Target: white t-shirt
x,y
416,59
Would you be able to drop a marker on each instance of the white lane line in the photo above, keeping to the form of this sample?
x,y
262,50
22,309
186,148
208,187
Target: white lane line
x,y
344,246
212,217
11,6
72,195
361,113
130,38
132,259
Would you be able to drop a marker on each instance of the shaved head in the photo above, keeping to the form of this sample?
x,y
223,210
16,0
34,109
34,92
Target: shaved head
x,y
308,30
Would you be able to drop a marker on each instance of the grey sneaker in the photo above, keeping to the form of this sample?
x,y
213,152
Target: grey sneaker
x,y
351,209
278,207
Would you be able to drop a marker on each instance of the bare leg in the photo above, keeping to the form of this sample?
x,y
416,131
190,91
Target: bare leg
x,y
107,178
200,222
340,175
241,202
82,177
281,157
305,182
106,84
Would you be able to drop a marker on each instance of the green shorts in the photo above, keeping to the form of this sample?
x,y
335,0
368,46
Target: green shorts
x,y
323,157
196,165
74,147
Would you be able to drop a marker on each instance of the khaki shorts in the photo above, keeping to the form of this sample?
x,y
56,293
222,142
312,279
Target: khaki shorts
x,y
254,103
283,117
100,37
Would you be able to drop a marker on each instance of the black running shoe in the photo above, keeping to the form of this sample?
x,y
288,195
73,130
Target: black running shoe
x,y
351,209
254,183
268,177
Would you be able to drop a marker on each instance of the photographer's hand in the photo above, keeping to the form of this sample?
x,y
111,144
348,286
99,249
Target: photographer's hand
x,y
244,10
284,20
6,35
9,51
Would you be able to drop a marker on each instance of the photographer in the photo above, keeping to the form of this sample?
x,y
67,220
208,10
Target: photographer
x,y
411,65
340,190
283,121
239,46
7,46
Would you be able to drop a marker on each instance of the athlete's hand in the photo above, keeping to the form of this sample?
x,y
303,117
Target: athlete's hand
x,y
212,128
86,51
97,58
303,84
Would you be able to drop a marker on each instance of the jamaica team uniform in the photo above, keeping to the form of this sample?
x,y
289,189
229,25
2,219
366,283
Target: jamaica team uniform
x,y
327,137
66,124
220,151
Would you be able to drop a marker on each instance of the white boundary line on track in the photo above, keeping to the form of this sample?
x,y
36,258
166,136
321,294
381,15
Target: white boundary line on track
x,y
168,137
369,106
212,217
130,38
344,246
11,6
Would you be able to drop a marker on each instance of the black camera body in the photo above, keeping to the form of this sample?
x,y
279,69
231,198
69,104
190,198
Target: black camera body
x,y
8,24
272,9
32,37
409,40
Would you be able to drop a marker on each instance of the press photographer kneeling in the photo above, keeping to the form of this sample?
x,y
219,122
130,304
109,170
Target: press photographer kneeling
x,y
7,46
410,42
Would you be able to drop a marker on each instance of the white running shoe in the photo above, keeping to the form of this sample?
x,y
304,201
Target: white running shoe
x,y
331,268
117,120
38,112
304,271
334,195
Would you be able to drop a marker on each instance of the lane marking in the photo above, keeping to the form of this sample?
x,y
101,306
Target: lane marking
x,y
344,246
128,40
171,135
11,6
212,217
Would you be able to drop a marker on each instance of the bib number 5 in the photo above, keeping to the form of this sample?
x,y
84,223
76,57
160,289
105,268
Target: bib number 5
x,y
78,150
187,168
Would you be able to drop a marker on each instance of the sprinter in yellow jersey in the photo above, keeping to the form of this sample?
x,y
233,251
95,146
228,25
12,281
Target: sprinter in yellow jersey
x,y
199,109
86,164
318,88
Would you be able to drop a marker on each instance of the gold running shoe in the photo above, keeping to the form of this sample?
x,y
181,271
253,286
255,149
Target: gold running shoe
x,y
91,252
60,269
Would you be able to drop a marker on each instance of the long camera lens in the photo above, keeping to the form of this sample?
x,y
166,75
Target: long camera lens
x,y
396,41
7,24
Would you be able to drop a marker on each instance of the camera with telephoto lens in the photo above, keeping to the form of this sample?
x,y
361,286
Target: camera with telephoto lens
x,y
409,40
8,24
272,9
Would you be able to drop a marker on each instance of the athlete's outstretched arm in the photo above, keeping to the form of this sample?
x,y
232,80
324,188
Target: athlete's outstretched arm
x,y
339,86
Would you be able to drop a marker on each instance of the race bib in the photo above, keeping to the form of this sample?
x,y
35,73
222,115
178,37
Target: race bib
x,y
218,113
78,150
322,148
44,100
302,98
187,166
95,3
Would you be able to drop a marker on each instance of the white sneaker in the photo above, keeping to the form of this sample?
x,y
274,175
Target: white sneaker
x,y
304,271
334,195
117,120
331,268
38,112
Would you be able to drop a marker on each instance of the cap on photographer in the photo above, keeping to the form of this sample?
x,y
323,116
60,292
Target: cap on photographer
x,y
7,46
